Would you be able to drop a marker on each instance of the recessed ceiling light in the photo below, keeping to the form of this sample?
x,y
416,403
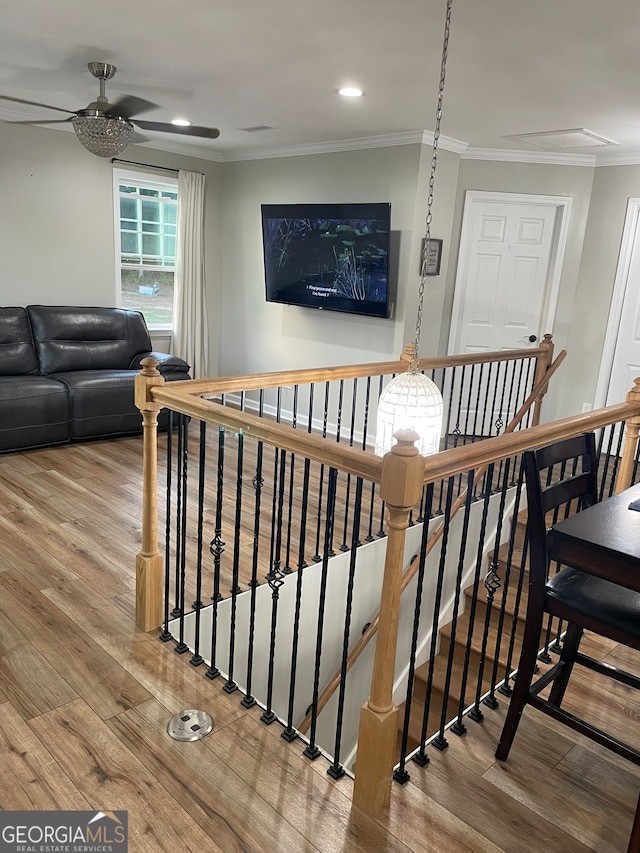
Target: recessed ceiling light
x,y
350,92
181,122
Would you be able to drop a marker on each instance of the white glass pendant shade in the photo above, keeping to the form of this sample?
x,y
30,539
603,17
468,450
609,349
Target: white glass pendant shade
x,y
410,401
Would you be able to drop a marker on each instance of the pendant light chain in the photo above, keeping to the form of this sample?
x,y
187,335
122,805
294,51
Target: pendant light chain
x,y
434,162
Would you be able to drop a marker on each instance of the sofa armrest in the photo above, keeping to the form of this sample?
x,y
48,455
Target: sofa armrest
x,y
167,364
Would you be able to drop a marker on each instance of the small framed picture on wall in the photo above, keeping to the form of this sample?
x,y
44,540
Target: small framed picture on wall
x,y
434,257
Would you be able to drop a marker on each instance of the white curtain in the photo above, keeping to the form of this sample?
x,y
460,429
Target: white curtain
x,y
190,339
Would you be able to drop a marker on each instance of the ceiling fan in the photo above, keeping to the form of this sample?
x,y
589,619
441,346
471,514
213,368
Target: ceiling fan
x,y
106,129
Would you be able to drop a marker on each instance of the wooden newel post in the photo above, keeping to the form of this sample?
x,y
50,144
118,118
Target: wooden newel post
x,y
632,429
541,368
149,562
401,489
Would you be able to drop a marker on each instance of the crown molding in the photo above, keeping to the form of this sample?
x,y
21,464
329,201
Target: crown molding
x,y
509,156
632,158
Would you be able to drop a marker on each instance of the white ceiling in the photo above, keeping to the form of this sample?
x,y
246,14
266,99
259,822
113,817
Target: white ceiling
x,y
515,66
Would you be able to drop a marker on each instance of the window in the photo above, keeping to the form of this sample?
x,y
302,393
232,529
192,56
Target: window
x,y
146,219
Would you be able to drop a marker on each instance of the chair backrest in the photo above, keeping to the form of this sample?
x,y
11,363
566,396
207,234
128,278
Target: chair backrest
x,y
561,479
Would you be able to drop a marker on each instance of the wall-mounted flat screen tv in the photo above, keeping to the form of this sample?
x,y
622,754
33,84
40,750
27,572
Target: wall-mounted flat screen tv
x,y
331,256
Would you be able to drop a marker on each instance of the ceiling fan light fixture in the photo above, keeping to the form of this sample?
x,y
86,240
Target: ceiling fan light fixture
x,y
103,136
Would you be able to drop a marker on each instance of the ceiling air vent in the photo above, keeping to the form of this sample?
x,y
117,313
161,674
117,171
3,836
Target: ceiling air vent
x,y
558,140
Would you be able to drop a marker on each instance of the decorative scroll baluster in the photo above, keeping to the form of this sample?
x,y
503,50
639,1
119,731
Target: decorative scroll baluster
x,y
231,686
216,549
275,579
249,701
292,461
197,658
316,557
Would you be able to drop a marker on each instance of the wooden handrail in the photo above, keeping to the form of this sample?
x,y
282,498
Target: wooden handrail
x,y
434,538
341,456
257,381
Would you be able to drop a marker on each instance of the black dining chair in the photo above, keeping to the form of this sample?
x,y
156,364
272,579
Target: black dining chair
x,y
561,479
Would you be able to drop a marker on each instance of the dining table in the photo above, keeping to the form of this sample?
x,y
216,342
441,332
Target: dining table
x,y
604,540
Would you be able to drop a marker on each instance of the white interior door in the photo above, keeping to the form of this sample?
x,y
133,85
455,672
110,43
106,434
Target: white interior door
x,y
504,273
621,359
507,281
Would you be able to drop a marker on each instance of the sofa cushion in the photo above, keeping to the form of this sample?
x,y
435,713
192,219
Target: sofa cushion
x,y
34,411
102,402
17,351
70,338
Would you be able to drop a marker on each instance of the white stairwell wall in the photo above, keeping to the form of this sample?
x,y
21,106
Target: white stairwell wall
x,y
366,600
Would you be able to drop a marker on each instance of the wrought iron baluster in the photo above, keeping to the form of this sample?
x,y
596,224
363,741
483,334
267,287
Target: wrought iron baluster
x,y
490,700
197,658
275,579
216,549
336,770
249,701
292,461
312,751
231,686
177,609
316,557
289,733
400,774
440,742
345,526
166,635
182,647
421,756
370,537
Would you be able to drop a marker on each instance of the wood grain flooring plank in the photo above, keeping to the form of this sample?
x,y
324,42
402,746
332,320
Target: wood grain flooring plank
x,y
46,552
110,777
205,787
472,798
31,684
31,778
154,665
313,804
93,673
20,552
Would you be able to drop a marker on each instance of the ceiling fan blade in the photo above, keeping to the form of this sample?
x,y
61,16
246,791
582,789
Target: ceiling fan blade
x,y
44,121
191,130
137,138
129,105
35,104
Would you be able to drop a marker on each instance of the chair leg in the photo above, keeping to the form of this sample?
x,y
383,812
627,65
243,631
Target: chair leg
x,y
634,841
520,695
570,646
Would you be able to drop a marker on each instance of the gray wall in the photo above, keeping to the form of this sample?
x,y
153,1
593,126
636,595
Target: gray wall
x,y
56,241
256,336
56,220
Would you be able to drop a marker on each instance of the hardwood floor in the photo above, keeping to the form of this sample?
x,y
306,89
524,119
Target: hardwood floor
x,y
85,699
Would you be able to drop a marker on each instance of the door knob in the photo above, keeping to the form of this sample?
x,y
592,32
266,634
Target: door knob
x,y
533,338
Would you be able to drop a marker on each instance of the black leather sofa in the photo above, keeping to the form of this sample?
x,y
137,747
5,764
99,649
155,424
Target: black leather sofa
x,y
67,373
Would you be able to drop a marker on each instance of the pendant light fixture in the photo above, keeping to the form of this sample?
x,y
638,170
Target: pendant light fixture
x,y
411,400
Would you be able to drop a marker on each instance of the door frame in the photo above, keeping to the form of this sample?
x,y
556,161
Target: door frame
x,y
559,243
623,267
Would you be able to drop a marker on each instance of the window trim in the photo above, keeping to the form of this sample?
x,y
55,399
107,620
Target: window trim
x,y
151,180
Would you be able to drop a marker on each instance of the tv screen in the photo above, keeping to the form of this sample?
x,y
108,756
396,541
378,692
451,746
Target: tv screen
x,y
331,256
